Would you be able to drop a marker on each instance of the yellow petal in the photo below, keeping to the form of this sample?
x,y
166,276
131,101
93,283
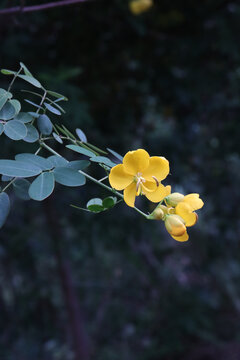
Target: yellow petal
x,y
118,178
181,238
157,195
194,201
175,225
136,161
185,211
158,167
130,194
149,186
168,190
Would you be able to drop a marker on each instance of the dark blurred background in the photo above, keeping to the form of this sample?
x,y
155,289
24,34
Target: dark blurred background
x,y
113,286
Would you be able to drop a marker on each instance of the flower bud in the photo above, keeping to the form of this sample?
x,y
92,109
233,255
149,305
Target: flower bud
x,y
174,198
157,214
175,225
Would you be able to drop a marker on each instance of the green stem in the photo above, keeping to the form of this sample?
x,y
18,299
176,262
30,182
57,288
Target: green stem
x,y
38,150
112,190
42,144
94,180
9,184
14,78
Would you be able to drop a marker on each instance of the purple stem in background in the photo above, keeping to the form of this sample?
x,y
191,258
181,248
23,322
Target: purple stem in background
x,y
16,9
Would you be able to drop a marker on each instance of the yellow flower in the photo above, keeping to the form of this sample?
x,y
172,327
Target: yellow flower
x,y
176,227
139,6
140,174
174,198
178,214
185,209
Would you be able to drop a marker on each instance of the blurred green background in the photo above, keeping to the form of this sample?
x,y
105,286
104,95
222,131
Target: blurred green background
x,y
113,286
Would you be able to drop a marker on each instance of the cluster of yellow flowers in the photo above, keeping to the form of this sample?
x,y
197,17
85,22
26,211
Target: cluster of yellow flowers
x,y
139,6
140,174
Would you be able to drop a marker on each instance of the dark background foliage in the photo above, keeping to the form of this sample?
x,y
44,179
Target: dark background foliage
x,y
114,286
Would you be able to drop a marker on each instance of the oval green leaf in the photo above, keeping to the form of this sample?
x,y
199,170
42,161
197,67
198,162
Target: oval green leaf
x,y
4,96
44,125
78,164
31,80
57,161
36,160
24,117
32,134
68,177
42,186
52,109
81,135
81,150
57,95
15,130
109,202
16,104
57,138
25,69
95,205
7,112
8,72
18,168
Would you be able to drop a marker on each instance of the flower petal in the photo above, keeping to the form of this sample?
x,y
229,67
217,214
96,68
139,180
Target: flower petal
x,y
194,201
118,178
181,238
185,211
130,194
157,195
168,190
148,186
158,167
136,161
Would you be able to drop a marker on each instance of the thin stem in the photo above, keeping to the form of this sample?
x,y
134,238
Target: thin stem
x,y
38,150
49,148
104,178
94,180
112,190
9,184
14,78
16,9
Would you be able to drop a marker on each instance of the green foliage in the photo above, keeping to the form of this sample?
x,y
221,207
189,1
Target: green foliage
x,y
98,205
42,186
68,176
18,168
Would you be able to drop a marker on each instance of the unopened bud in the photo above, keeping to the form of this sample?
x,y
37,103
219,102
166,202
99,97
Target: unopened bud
x,y
175,225
174,198
158,214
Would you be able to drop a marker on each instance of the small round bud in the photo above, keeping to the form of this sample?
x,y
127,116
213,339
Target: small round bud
x,y
158,214
174,198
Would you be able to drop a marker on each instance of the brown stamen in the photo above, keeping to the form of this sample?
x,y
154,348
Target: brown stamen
x,y
157,182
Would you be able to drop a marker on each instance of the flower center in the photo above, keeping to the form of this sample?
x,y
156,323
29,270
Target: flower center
x,y
139,180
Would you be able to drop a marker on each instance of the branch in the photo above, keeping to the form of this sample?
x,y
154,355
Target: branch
x,y
16,9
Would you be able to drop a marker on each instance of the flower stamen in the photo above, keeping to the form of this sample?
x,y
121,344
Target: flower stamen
x,y
157,182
